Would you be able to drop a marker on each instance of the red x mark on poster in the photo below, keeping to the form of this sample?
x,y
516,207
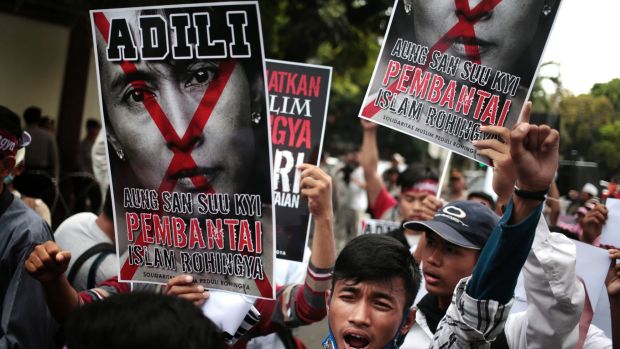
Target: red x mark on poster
x,y
182,147
463,28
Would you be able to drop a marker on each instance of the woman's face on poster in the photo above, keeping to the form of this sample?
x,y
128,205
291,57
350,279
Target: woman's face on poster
x,y
501,34
221,153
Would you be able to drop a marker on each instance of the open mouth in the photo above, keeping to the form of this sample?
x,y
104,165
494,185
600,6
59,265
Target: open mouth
x,y
356,341
431,278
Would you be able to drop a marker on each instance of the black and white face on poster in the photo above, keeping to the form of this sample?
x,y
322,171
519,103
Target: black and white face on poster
x,y
183,96
298,99
449,66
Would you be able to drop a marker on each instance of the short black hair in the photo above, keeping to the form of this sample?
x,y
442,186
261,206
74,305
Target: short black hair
x,y
32,115
391,171
484,196
375,257
414,174
141,320
9,121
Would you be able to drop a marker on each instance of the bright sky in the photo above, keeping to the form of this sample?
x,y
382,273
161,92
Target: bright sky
x,y
585,41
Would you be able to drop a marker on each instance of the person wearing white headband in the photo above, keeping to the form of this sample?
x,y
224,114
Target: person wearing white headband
x,y
417,197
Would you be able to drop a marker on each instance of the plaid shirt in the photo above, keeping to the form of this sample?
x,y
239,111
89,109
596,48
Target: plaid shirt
x,y
469,322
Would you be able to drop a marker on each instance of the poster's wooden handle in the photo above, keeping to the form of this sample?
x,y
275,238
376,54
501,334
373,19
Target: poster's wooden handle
x,y
444,172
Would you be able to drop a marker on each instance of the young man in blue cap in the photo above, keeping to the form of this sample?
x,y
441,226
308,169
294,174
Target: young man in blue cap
x,y
454,238
476,309
460,236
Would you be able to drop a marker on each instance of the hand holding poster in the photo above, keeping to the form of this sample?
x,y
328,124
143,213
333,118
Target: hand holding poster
x,y
447,67
298,99
182,92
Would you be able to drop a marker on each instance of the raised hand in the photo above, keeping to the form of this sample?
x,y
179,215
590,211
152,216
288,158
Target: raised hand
x,y
316,187
47,262
183,286
534,152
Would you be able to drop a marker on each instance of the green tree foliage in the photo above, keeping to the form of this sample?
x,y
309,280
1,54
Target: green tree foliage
x,y
544,99
605,148
611,90
581,118
345,35
590,126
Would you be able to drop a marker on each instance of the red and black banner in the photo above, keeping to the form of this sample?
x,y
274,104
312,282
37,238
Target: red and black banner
x,y
448,67
298,99
182,91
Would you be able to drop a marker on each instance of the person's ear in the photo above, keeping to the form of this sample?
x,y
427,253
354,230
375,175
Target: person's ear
x,y
7,164
409,322
328,299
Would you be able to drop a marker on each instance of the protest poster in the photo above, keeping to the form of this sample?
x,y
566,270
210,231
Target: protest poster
x,y
610,234
447,67
592,266
376,226
602,313
298,99
183,96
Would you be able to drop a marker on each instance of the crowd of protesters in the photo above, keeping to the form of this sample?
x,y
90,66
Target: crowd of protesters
x,y
446,278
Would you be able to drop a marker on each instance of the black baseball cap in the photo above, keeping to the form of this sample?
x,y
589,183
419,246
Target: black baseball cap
x,y
464,223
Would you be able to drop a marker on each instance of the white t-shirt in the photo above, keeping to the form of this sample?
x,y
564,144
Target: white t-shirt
x,y
359,198
77,234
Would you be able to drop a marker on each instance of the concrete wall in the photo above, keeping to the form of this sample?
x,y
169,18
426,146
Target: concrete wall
x,y
32,64
91,104
33,55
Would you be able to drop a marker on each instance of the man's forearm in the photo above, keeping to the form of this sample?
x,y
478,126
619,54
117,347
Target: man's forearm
x,y
61,298
369,159
369,156
503,256
521,209
323,244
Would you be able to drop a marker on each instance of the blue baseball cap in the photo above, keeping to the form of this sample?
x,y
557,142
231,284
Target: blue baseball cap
x,y
467,224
